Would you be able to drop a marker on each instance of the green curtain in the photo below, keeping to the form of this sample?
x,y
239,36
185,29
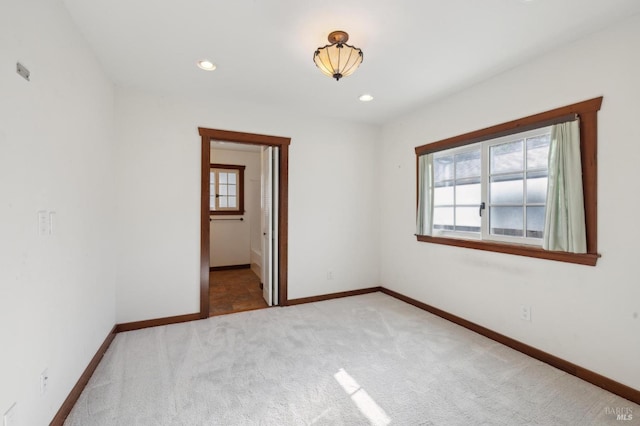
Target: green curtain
x,y
564,228
424,223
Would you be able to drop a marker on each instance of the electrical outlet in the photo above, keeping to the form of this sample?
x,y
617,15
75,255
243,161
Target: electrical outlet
x,y
9,418
330,275
525,313
44,381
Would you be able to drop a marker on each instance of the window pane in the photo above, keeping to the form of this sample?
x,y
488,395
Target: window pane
x,y
467,219
443,168
507,189
223,202
468,191
538,152
506,157
468,164
222,190
223,177
212,190
537,187
231,177
443,195
231,202
231,189
443,218
506,221
535,222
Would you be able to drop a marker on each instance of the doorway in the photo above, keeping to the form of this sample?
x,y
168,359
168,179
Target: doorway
x,y
241,187
280,199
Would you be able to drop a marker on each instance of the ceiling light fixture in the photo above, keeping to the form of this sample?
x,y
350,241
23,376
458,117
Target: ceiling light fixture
x,y
338,59
206,65
366,97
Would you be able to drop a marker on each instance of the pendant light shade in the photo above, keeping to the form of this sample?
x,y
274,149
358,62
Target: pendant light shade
x,y
338,59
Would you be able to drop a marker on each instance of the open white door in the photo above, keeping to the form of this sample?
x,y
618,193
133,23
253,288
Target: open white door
x,y
269,225
275,214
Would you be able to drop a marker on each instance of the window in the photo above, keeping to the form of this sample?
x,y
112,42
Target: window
x,y
517,185
457,193
226,192
487,189
510,173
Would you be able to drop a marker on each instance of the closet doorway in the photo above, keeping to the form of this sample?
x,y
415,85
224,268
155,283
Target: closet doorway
x,y
230,213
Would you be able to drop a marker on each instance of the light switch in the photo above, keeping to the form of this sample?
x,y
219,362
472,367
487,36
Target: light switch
x,y
44,223
52,218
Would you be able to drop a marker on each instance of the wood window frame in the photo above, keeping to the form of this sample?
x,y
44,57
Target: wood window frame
x,y
587,112
240,191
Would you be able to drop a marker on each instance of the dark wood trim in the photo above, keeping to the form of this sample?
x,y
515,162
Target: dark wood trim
x,y
240,210
205,161
587,375
207,135
227,213
138,325
516,249
283,228
227,166
229,267
334,295
516,126
241,137
587,112
72,398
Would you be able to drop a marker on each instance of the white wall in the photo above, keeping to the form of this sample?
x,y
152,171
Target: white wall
x,y
333,209
230,240
586,315
57,295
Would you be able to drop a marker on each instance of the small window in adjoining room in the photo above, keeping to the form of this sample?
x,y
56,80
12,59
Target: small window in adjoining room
x,y
527,187
226,189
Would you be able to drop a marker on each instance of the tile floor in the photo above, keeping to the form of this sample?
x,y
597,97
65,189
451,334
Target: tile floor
x,y
234,290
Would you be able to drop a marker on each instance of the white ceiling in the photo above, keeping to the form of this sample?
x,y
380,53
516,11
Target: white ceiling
x,y
415,51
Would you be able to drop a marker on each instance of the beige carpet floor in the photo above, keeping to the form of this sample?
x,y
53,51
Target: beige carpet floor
x,y
360,360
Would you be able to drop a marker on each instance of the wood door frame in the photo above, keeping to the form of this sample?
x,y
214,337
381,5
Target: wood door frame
x,y
207,136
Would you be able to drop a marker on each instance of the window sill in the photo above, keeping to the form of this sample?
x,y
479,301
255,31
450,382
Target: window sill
x,y
588,259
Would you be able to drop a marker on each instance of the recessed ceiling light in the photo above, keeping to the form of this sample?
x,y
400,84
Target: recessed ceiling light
x,y
366,97
206,65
